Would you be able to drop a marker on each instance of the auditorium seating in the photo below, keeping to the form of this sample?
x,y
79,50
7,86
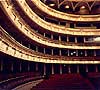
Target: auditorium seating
x,y
17,79
95,79
65,82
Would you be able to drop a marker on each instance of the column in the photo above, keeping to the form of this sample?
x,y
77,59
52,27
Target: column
x,y
84,39
51,51
44,34
86,68
78,69
51,36
58,22
60,52
12,66
20,67
44,69
68,52
67,38
76,52
96,68
74,25
36,66
52,69
60,68
59,38
1,66
85,53
69,70
94,53
44,51
67,25
29,46
36,48
75,39
28,66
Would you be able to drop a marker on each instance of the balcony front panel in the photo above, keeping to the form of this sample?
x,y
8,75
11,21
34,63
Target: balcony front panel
x,y
53,27
10,46
28,32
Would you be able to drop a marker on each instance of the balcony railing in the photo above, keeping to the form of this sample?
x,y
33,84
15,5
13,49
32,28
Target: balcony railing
x,y
53,27
10,46
26,30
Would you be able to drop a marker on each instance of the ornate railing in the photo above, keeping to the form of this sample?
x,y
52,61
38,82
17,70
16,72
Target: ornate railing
x,y
53,27
10,46
26,30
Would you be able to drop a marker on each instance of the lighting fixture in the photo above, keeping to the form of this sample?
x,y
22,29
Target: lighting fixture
x,y
51,4
82,7
67,7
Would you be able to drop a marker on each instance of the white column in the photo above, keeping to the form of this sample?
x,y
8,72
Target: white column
x,y
44,34
67,25
51,51
67,38
60,68
86,68
36,66
94,53
44,69
84,39
60,52
76,52
52,69
68,52
51,36
96,68
58,23
85,53
78,69
75,39
59,38
36,48
69,70
44,51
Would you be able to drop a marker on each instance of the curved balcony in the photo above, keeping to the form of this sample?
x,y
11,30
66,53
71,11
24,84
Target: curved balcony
x,y
53,27
64,16
11,47
28,32
67,24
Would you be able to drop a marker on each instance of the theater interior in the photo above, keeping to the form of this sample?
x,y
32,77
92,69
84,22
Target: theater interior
x,y
49,44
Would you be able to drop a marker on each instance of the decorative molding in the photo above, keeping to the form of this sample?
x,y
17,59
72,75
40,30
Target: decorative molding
x,y
10,46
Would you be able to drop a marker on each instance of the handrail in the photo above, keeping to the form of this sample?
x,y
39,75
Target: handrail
x,y
26,30
15,49
65,16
